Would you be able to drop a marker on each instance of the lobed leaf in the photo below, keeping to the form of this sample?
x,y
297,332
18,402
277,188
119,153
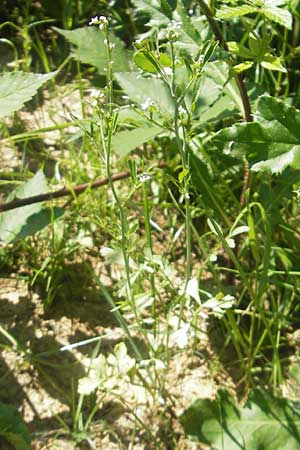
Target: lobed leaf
x,y
272,141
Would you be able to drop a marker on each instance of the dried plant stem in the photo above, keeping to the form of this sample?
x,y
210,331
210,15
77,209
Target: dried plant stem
x,y
72,191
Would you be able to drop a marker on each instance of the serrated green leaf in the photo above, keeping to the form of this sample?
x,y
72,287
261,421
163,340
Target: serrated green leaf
x,y
89,48
264,422
278,15
140,90
187,24
125,141
13,428
273,140
231,12
17,88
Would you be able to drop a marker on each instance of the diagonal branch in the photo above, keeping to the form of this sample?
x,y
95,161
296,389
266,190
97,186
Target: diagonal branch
x,y
74,191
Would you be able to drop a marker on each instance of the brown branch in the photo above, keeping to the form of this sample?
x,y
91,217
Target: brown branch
x,y
240,83
74,191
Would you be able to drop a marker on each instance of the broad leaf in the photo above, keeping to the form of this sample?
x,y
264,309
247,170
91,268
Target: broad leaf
x,y
89,48
13,428
264,422
153,8
36,222
218,96
268,8
272,141
125,141
278,15
17,88
27,220
142,90
231,12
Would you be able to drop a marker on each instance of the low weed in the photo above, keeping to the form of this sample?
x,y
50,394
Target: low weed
x,y
175,185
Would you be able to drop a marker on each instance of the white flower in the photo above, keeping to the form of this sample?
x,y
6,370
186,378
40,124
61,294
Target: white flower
x,y
87,385
101,21
120,361
94,21
230,242
97,373
147,103
168,71
144,177
180,337
175,25
172,30
192,289
181,109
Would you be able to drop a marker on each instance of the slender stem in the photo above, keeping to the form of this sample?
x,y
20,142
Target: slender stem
x,y
149,244
182,147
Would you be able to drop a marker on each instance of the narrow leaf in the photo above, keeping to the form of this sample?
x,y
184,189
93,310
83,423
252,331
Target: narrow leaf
x,y
187,24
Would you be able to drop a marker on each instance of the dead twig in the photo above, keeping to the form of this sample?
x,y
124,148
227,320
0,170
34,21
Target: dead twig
x,y
72,191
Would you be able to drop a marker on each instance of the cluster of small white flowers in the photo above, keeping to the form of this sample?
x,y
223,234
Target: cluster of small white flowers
x,y
101,21
172,30
147,104
97,97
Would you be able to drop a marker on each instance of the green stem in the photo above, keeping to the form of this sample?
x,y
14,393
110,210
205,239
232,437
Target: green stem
x,y
149,244
182,147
